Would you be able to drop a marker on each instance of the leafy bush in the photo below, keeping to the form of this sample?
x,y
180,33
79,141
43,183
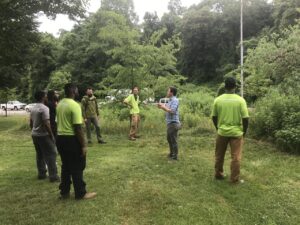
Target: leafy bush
x,y
274,63
191,120
197,103
277,116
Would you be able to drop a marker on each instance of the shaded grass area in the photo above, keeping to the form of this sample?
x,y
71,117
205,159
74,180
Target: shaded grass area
x,y
136,184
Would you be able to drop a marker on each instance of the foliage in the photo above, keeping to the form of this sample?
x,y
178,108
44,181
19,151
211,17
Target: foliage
x,y
58,80
199,103
285,14
274,63
277,117
8,94
122,7
18,33
210,35
195,106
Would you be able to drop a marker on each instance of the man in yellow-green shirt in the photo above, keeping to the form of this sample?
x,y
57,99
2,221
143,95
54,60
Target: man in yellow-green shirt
x,y
133,102
71,145
230,117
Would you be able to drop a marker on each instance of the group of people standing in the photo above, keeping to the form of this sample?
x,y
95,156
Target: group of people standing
x,y
59,125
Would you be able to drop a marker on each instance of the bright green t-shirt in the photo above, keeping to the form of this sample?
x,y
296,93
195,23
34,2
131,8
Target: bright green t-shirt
x,y
134,104
68,113
230,110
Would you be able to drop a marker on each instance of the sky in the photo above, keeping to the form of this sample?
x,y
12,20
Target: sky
x,y
141,6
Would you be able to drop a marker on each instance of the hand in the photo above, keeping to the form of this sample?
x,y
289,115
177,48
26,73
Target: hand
x,y
84,151
160,105
53,139
85,120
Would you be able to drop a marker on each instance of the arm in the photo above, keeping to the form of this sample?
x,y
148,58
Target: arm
x,y
215,120
127,101
48,129
83,106
80,136
96,105
245,116
245,125
165,108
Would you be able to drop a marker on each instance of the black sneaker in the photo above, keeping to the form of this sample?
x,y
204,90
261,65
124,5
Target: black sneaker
x,y
220,177
54,179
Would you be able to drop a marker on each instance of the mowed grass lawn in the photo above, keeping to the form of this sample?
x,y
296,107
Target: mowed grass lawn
x,y
136,184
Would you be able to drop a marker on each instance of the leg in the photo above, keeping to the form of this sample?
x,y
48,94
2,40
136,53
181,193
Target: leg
x,y
49,152
169,141
221,146
172,139
138,120
65,183
133,126
40,162
95,122
236,155
79,184
88,129
77,166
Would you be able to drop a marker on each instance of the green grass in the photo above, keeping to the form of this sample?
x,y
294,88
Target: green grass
x,y
137,185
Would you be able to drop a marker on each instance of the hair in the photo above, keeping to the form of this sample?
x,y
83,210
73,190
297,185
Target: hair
x,y
230,83
70,89
173,90
135,87
51,95
39,95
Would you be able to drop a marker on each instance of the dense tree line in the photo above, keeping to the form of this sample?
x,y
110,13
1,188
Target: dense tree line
x,y
110,49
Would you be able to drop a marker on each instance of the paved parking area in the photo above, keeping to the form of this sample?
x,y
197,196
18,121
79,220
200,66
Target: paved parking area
x,y
13,113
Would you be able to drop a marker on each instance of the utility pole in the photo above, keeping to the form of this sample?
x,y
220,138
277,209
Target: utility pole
x,y
242,52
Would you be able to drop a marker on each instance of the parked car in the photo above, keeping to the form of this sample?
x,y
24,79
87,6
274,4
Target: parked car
x,y
29,107
13,105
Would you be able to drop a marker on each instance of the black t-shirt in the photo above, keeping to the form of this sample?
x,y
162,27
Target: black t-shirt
x,y
52,112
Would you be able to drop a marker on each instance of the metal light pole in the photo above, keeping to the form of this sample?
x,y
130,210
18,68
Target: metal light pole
x,y
242,52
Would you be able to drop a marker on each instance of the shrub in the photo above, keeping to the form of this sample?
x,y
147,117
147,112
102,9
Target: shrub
x,y
197,103
277,116
191,120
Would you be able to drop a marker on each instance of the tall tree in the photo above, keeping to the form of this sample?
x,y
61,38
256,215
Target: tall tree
x,y
286,13
18,31
210,33
123,7
151,24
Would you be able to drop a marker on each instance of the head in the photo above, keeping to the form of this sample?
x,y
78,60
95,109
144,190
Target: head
x,y
230,84
52,96
135,90
71,91
89,92
41,96
172,91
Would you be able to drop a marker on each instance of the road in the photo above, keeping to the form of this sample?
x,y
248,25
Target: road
x,y
14,113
